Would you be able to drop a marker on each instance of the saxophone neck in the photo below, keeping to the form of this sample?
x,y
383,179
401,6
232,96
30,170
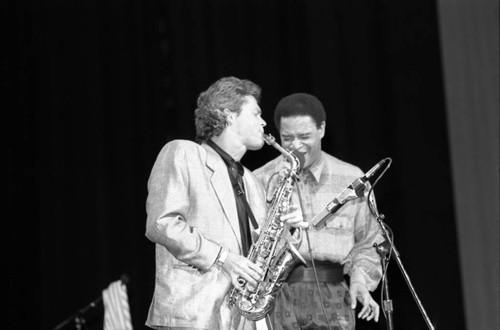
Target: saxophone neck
x,y
290,156
295,162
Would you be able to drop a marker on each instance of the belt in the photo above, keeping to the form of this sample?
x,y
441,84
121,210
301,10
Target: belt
x,y
327,272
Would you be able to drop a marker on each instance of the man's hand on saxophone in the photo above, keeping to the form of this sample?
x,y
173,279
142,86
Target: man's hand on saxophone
x,y
237,267
240,269
294,217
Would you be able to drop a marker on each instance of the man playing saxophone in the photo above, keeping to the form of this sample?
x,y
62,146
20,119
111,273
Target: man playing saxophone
x,y
343,246
203,211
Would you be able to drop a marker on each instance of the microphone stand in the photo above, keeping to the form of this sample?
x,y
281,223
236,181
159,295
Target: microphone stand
x,y
382,250
79,316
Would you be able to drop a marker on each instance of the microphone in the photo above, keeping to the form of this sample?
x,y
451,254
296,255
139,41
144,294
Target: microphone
x,y
375,169
355,190
359,185
125,278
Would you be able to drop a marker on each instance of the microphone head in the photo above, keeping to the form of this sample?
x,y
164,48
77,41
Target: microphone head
x,y
125,278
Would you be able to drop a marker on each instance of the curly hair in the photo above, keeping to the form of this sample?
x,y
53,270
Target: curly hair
x,y
226,93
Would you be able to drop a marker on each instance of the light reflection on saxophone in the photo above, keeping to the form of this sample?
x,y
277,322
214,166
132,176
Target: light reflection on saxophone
x,y
255,303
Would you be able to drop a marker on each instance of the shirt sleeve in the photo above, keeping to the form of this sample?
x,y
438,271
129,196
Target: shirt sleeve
x,y
363,263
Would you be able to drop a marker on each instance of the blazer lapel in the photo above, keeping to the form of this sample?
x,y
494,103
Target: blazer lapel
x,y
220,183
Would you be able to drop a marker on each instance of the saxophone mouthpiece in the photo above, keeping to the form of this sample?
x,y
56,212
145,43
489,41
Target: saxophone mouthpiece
x,y
269,139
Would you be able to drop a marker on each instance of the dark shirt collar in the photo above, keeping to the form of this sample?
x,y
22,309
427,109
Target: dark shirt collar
x,y
230,162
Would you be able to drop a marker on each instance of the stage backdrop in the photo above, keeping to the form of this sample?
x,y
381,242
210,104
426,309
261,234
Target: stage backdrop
x,y
98,87
469,42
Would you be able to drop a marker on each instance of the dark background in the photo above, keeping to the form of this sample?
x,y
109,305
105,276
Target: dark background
x,y
96,88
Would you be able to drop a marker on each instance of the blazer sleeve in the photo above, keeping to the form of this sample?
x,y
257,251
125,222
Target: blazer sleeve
x,y
167,208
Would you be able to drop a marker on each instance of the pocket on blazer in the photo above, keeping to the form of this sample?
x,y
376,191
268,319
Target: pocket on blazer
x,y
186,267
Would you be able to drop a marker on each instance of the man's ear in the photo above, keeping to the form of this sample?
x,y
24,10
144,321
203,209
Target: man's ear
x,y
322,127
230,115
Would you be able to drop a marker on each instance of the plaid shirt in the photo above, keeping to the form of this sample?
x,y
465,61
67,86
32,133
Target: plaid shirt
x,y
350,233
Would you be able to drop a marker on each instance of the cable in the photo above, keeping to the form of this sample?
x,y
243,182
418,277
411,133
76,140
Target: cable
x,y
384,271
312,261
375,212
308,243
373,209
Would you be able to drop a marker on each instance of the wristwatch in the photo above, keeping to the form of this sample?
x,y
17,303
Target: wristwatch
x,y
221,258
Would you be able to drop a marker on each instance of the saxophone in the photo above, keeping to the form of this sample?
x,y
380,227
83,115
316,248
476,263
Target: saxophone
x,y
254,303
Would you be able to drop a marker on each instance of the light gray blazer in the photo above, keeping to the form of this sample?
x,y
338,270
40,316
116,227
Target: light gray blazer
x,y
191,213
